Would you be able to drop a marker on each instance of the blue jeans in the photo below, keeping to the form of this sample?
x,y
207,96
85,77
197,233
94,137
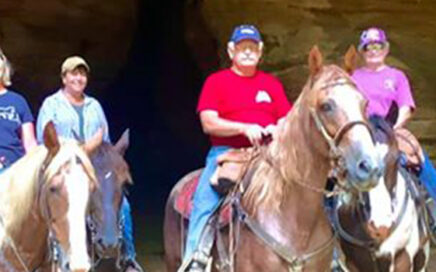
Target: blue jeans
x,y
126,220
205,201
428,176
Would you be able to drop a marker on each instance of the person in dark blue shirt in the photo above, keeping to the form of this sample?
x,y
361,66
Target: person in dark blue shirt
x,y
17,132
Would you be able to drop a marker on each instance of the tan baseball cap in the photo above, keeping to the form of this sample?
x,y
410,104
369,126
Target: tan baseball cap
x,y
72,63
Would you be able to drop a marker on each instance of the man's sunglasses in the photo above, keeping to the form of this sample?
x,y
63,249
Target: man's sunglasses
x,y
374,47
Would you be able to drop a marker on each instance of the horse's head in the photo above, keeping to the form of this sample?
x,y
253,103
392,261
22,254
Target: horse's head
x,y
67,180
112,173
337,109
377,203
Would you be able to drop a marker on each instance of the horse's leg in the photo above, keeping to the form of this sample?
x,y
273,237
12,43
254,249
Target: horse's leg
x,y
402,262
420,260
351,266
172,237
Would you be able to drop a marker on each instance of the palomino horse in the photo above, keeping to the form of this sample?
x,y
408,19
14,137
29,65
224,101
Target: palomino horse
x,y
384,229
43,202
103,222
282,225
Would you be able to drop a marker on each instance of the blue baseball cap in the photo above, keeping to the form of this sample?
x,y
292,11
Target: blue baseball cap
x,y
245,32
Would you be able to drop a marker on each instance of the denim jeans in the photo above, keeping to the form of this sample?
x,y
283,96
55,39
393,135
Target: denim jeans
x,y
126,220
428,176
205,201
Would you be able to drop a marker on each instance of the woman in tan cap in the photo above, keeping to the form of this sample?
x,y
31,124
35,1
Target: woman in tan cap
x,y
16,120
75,114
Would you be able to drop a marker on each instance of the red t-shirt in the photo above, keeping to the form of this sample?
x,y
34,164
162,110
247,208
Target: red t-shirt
x,y
259,99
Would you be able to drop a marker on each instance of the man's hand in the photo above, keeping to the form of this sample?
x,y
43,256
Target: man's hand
x,y
254,133
270,130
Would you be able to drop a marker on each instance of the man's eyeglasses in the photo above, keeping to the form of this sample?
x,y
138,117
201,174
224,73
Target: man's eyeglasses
x,y
244,45
374,47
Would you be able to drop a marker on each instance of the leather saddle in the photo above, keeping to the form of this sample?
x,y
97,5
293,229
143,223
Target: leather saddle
x,y
232,166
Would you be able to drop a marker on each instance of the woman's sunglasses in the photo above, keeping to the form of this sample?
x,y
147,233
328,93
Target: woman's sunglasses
x,y
374,47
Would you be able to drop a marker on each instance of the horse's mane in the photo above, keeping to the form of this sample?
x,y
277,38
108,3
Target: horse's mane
x,y
270,184
20,184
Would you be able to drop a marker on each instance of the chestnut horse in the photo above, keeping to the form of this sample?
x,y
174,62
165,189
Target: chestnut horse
x,y
43,202
103,221
282,225
384,229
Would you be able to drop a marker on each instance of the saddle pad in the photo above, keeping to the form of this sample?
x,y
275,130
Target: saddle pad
x,y
183,202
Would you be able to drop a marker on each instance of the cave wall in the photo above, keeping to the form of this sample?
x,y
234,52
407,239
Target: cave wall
x,y
291,28
37,36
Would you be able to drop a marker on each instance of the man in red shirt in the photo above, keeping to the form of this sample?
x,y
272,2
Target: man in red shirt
x,y
237,107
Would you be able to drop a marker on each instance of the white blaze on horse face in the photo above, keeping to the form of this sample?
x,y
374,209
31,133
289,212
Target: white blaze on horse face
x,y
348,100
380,199
77,184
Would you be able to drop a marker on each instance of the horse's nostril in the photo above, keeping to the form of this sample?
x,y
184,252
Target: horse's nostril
x,y
364,166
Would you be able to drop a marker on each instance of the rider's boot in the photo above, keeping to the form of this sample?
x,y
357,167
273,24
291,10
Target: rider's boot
x,y
200,257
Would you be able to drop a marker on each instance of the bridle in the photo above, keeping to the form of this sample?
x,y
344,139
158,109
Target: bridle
x,y
94,236
333,141
59,260
57,255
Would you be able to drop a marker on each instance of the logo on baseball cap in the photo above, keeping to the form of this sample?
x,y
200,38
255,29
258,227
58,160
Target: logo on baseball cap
x,y
372,35
245,32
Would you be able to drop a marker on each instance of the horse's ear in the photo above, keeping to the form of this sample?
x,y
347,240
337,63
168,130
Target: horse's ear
x,y
392,116
123,143
50,138
350,60
315,60
94,142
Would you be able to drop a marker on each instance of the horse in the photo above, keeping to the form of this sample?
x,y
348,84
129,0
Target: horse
x,y
384,229
103,221
43,202
280,224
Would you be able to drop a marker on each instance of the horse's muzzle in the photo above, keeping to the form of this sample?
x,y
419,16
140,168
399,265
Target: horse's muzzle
x,y
107,250
367,173
379,234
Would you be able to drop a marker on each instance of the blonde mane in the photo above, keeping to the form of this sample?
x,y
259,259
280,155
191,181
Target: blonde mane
x,y
289,153
20,184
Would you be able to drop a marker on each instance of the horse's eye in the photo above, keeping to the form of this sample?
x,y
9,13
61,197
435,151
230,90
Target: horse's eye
x,y
326,107
54,189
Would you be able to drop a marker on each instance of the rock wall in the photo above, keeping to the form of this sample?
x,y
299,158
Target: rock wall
x,y
37,36
291,28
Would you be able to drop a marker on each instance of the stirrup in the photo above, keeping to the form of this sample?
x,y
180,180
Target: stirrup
x,y
197,263
126,264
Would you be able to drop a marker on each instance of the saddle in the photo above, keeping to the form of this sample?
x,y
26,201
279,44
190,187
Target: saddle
x,y
232,166
409,145
183,202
